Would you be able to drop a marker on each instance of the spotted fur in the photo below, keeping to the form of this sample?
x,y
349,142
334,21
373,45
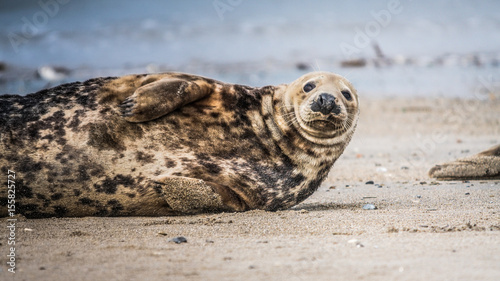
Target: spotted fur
x,y
164,144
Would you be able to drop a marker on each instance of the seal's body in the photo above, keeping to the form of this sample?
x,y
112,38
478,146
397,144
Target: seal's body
x,y
164,144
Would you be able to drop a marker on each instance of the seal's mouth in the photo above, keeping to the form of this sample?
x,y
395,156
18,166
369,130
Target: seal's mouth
x,y
331,120
323,122
321,112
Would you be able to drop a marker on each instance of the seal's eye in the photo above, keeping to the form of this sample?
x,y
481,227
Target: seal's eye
x,y
346,94
308,87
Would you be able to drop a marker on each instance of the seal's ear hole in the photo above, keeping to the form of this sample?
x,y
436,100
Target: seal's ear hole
x,y
308,87
347,95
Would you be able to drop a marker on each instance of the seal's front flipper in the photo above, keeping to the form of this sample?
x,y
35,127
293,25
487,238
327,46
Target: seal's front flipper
x,y
161,97
485,165
190,195
494,151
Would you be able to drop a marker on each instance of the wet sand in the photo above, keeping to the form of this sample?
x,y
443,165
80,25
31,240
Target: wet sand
x,y
421,229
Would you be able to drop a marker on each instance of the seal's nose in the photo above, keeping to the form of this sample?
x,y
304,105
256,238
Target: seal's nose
x,y
325,103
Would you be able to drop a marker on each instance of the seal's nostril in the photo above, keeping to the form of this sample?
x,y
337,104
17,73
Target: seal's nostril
x,y
315,107
326,99
321,100
324,103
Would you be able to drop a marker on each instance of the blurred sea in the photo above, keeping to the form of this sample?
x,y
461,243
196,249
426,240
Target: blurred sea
x,y
386,48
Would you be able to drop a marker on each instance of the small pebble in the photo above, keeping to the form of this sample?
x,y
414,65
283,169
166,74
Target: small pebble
x,y
178,240
370,182
369,207
356,242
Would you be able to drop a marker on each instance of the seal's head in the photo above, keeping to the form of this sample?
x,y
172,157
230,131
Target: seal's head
x,y
323,105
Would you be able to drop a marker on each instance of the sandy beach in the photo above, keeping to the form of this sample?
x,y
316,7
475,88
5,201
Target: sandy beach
x,y
421,229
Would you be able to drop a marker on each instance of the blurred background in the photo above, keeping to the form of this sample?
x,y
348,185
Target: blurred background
x,y
387,48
